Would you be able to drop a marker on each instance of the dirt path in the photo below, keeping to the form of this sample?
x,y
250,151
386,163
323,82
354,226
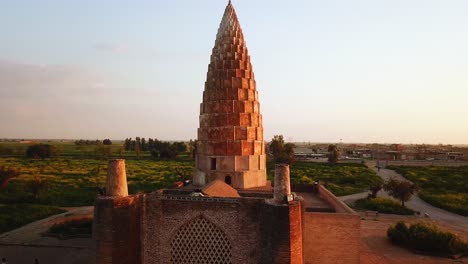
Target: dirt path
x,y
26,243
448,219
32,232
457,222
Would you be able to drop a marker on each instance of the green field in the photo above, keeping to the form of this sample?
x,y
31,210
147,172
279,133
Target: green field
x,y
340,179
72,178
74,182
444,187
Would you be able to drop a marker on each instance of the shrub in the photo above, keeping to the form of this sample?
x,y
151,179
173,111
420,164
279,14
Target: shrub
x,y
426,237
6,174
382,205
41,151
399,234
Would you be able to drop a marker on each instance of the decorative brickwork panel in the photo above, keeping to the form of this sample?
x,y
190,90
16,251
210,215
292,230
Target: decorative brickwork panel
x,y
200,241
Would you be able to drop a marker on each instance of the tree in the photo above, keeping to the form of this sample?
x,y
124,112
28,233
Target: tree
x,y
144,147
103,151
401,190
107,142
374,189
41,151
127,144
192,147
282,152
180,146
6,174
166,150
334,153
35,186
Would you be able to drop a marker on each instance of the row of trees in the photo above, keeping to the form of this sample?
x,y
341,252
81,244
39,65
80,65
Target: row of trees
x,y
160,149
83,142
140,144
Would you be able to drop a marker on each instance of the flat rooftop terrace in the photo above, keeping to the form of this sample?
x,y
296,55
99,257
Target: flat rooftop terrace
x,y
314,203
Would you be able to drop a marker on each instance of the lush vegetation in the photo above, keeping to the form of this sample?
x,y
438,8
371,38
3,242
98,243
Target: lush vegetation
x,y
72,178
427,238
382,205
444,187
73,227
339,178
15,215
74,182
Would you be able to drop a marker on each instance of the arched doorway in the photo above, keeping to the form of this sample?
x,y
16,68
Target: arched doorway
x,y
228,180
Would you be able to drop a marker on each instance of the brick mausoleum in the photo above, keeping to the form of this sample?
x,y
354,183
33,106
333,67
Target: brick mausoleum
x,y
231,213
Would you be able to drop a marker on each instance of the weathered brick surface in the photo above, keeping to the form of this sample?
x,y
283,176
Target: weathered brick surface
x,y
139,229
331,238
116,230
258,232
230,119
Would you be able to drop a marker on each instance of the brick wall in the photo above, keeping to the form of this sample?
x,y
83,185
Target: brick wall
x,y
116,230
140,229
259,232
237,218
331,238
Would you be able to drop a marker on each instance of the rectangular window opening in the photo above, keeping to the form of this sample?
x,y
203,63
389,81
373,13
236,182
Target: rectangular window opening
x,y
213,163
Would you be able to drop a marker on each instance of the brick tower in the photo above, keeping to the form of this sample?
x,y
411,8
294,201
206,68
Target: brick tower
x,y
230,137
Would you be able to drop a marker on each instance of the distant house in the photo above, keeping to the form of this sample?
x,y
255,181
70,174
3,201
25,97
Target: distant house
x,y
455,156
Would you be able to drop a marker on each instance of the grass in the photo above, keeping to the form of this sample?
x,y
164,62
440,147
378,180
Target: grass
x,y
382,205
13,216
73,227
340,179
72,178
444,187
74,182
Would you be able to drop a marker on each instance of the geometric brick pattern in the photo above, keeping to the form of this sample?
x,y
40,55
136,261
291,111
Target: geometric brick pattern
x,y
230,118
200,241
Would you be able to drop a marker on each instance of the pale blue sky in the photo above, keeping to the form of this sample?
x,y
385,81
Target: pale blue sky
x,y
360,71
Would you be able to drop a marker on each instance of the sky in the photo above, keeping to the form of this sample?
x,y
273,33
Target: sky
x,y
371,71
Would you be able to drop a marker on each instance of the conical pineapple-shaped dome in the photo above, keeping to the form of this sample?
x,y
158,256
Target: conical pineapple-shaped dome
x,y
230,137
